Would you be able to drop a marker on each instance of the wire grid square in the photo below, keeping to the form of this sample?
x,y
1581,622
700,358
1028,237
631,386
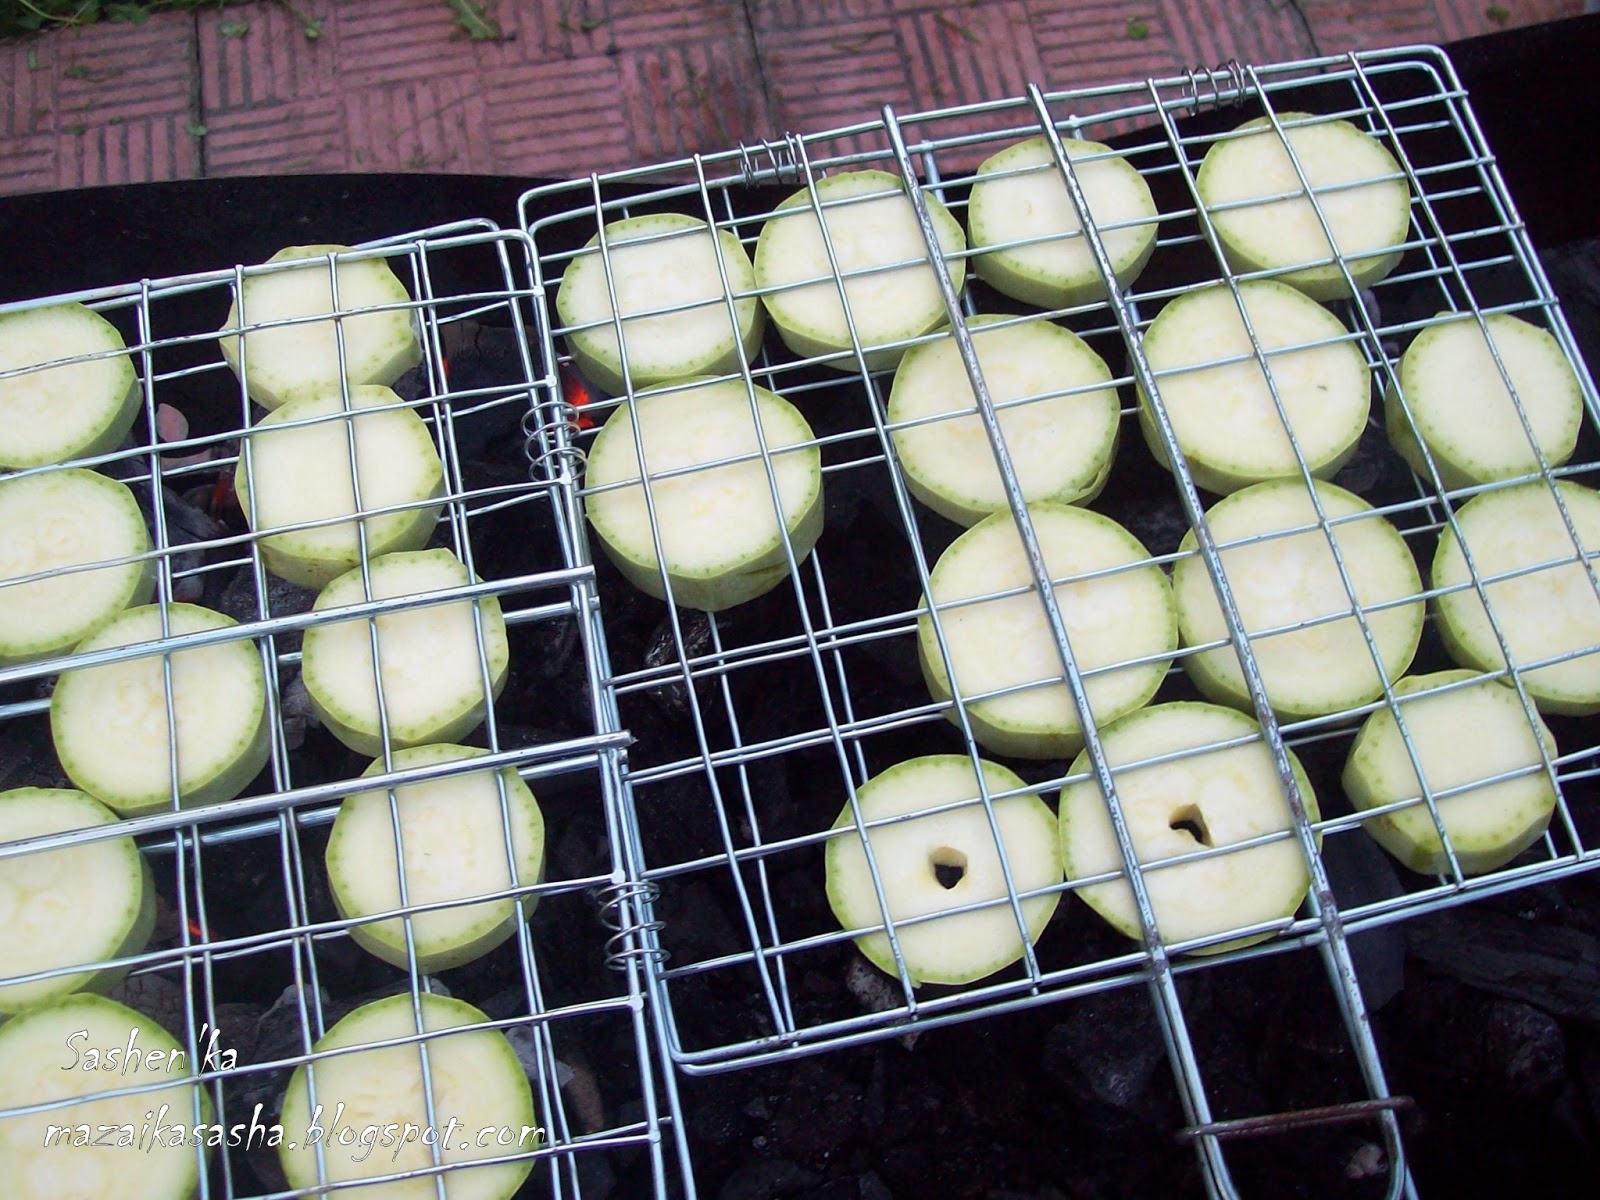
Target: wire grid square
x,y
251,952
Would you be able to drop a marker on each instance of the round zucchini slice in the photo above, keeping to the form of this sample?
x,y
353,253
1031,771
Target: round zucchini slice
x,y
476,1083
62,410
53,522
1061,439
1358,186
1019,196
432,672
935,861
719,527
1544,613
73,905
455,839
871,226
1282,581
1226,423
292,356
1003,644
300,473
1205,794
109,722
662,261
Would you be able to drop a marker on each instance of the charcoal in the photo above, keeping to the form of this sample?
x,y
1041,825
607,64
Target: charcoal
x,y
187,524
662,649
239,600
1107,1051
1555,967
28,757
820,1112
1525,1047
1360,873
767,1179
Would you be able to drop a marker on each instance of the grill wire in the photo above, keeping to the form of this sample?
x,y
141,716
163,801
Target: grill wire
x,y
514,526
707,814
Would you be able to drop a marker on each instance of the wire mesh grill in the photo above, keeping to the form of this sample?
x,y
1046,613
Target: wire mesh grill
x,y
252,960
754,726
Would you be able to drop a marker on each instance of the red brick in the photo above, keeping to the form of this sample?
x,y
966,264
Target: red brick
x,y
288,138
271,61
563,120
149,150
420,125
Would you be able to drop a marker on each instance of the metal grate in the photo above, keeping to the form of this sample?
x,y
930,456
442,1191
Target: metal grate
x,y
245,913
754,726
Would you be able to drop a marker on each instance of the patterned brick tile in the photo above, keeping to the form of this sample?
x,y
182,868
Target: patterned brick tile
x,y
839,74
271,60
131,72
146,150
564,120
28,75
419,125
28,164
287,138
381,42
697,97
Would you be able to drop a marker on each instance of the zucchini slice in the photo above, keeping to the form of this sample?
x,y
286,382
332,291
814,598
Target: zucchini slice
x,y
64,410
1357,184
432,672
934,861
292,357
1543,613
82,1046
719,527
476,1082
455,840
1224,417
1003,645
1208,795
301,473
109,722
1024,197
871,226
77,904
55,521
1463,737
1061,444
662,261
1463,411
1281,581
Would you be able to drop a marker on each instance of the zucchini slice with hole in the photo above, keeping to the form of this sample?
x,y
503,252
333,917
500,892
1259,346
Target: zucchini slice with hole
x,y
1004,645
1206,794
80,1047
56,521
455,838
934,861
1357,184
1290,582
1061,444
291,356
1223,415
64,410
1463,737
299,473
1459,403
109,722
714,511
661,261
1544,613
77,904
1018,195
432,672
871,226
477,1083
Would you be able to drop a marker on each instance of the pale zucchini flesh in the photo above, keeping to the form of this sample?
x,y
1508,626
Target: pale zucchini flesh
x,y
1209,794
1004,642
936,861
292,356
298,473
53,522
1224,416
871,226
1550,612
1358,187
1456,399
457,847
79,904
721,534
66,1152
65,410
1061,445
109,722
1283,581
432,672
1025,198
665,261
476,1083
1464,738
